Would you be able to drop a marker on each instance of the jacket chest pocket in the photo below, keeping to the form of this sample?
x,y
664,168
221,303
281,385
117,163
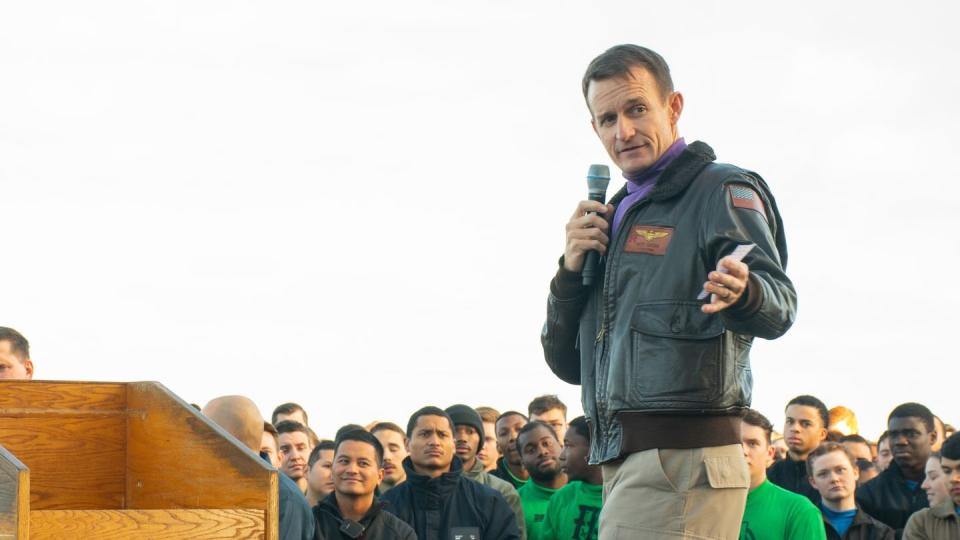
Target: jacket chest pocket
x,y
677,353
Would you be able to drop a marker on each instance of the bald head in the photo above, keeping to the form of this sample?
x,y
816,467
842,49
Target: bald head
x,y
239,417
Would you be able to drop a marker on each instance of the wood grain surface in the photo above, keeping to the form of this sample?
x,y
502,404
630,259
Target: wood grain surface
x,y
177,458
146,524
75,461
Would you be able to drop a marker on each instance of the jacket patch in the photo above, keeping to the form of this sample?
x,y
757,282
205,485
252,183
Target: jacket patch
x,y
648,239
745,197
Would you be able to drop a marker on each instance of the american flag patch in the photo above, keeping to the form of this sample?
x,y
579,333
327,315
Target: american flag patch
x,y
745,197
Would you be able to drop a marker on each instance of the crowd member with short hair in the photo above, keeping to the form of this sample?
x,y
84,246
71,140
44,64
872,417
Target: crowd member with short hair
x,y
295,447
551,411
469,439
843,421
15,363
289,411
941,522
574,510
884,455
239,416
352,510
540,450
510,466
270,444
772,512
833,472
489,453
860,449
895,494
394,442
804,428
319,472
933,483
436,499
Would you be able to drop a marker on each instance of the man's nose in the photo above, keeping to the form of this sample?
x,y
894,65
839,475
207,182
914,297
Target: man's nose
x,y
625,129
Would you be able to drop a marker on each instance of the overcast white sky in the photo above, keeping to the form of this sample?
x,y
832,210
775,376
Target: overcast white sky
x,y
358,206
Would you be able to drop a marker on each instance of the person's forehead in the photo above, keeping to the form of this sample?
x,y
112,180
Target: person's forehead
x,y
514,420
802,412
830,460
898,423
638,83
267,438
293,437
949,463
750,431
432,421
550,414
537,434
355,449
387,436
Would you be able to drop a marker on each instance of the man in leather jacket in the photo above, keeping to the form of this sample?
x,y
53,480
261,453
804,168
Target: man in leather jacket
x,y
665,376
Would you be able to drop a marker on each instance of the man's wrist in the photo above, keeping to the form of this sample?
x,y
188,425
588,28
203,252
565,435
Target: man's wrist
x,y
566,284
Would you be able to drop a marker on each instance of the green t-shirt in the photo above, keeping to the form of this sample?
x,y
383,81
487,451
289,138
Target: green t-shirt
x,y
773,513
574,512
534,498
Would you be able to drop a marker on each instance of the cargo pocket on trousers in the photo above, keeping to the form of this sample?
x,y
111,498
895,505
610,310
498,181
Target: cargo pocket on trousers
x,y
727,472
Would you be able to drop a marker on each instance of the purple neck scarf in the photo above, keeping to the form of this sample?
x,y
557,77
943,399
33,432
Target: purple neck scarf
x,y
640,184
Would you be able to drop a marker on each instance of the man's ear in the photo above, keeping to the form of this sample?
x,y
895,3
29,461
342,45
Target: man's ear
x,y
28,365
771,451
675,104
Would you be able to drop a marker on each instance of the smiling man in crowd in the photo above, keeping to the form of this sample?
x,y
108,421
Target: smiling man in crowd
x,y
352,510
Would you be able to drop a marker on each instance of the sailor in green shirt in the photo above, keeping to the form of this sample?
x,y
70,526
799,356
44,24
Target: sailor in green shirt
x,y
540,451
574,510
772,512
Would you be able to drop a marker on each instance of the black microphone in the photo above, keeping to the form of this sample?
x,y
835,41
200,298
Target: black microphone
x,y
597,179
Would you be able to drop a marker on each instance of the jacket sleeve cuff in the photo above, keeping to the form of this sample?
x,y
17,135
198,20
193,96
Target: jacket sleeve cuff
x,y
749,303
566,285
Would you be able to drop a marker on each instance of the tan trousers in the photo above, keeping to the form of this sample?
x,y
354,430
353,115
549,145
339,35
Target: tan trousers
x,y
671,494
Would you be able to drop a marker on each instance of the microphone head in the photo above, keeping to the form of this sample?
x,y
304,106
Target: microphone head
x,y
598,177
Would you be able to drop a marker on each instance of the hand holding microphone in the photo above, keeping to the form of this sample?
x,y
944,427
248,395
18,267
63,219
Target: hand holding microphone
x,y
588,226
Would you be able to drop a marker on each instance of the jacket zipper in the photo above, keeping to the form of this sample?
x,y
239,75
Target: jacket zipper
x,y
603,335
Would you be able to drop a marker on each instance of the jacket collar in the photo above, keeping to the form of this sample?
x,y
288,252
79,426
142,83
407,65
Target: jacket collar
x,y
330,506
678,175
945,510
443,483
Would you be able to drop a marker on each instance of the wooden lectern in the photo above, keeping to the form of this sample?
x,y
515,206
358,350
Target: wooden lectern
x,y
124,460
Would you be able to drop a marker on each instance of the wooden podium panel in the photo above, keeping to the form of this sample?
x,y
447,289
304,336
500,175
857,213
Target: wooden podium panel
x,y
125,460
14,496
